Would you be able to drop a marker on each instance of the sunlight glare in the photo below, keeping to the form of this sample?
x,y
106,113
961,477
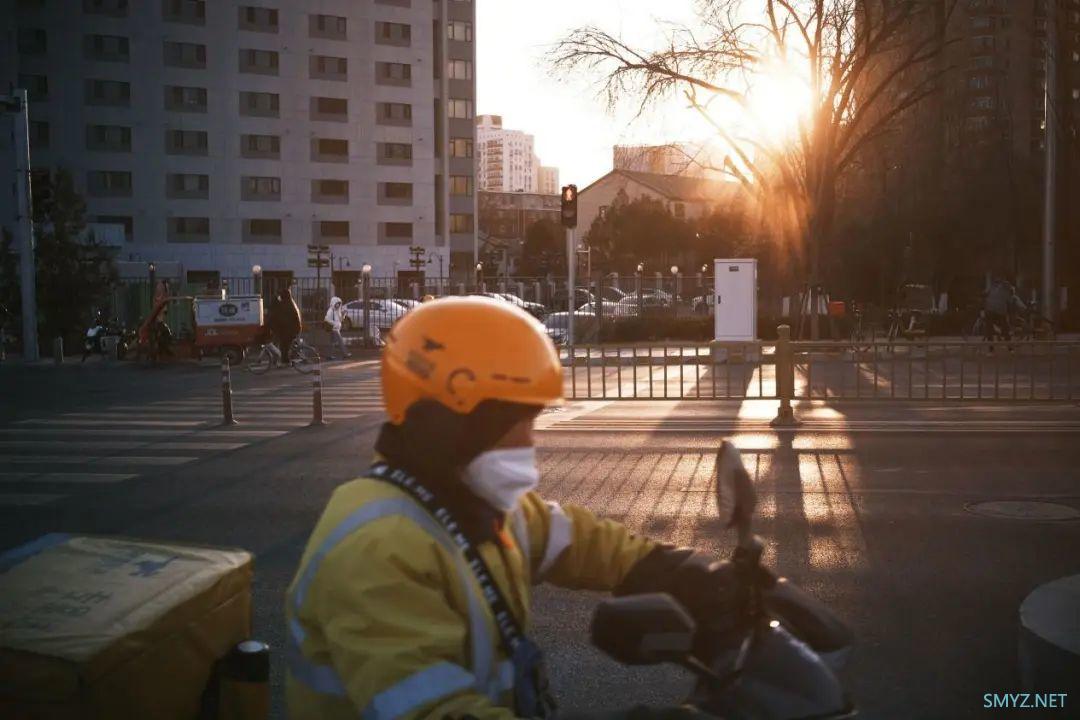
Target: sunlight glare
x,y
778,101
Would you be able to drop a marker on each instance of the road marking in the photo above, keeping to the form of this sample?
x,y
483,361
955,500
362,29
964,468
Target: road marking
x,y
125,422
106,459
213,447
24,499
150,433
72,444
75,478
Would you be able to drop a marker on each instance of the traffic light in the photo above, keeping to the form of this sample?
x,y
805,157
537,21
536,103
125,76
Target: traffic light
x,y
569,206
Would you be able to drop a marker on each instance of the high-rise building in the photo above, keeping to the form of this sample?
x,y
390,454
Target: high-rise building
x,y
686,159
548,180
219,135
961,183
506,161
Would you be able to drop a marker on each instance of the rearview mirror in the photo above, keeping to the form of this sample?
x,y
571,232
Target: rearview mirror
x,y
643,629
735,496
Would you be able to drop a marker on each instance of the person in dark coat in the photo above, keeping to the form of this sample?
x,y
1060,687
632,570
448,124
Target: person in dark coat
x,y
285,320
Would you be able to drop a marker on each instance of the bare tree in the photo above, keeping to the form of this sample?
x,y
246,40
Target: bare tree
x,y
863,64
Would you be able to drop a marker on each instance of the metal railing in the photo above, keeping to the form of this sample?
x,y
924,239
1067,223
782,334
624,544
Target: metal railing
x,y
785,370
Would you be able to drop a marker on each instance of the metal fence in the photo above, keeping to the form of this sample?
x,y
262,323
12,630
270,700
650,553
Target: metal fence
x,y
1028,371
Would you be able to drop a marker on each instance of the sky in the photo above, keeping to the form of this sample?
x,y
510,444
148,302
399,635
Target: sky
x,y
568,118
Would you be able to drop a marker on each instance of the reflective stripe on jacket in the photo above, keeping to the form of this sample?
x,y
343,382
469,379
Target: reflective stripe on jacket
x,y
385,620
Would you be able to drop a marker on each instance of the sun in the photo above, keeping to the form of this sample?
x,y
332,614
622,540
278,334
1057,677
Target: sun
x,y
778,100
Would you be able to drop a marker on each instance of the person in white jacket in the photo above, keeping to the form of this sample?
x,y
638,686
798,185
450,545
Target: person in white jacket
x,y
334,316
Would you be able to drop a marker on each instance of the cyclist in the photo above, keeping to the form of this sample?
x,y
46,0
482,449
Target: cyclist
x,y
285,322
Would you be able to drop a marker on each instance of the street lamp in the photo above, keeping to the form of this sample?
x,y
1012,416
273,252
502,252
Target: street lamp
x,y
256,276
480,277
365,284
151,269
675,289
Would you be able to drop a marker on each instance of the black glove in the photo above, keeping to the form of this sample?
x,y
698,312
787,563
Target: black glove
x,y
708,589
642,712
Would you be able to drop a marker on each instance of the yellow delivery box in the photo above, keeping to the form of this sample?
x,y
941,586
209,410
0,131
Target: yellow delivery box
x,y
102,627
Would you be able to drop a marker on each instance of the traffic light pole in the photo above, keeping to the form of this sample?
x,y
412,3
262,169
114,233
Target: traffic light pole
x,y
571,262
27,272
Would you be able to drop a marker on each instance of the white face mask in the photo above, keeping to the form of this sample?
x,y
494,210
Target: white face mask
x,y
502,476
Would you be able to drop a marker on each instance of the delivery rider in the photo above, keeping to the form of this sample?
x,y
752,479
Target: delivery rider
x,y
412,597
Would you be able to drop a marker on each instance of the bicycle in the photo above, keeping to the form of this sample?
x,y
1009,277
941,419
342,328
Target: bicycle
x,y
863,332
302,357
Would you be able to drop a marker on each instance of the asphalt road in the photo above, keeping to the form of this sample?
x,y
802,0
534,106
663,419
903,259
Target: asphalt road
x,y
867,505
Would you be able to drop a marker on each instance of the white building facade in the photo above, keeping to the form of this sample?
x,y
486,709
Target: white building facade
x,y
506,160
548,181
222,135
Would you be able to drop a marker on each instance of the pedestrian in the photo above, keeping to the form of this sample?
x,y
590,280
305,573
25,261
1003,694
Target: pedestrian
x,y
998,305
285,316
391,613
334,316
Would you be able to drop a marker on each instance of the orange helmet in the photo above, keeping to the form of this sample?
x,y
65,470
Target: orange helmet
x,y
461,351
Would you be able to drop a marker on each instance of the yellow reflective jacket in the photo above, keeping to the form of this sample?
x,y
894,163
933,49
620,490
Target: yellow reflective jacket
x,y
387,621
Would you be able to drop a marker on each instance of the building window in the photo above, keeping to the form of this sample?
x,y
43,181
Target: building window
x,y
979,82
106,48
36,86
185,99
398,190
459,69
186,142
260,146
115,8
391,73
983,102
461,222
192,12
334,230
395,113
189,229
186,55
461,109
332,27
388,33
399,230
329,191
126,221
324,67
459,30
108,92
262,230
329,150
39,134
258,19
260,188
187,186
326,108
262,62
31,41
108,183
461,147
461,185
108,138
259,104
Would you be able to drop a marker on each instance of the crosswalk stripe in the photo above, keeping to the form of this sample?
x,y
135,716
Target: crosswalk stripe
x,y
215,447
106,459
150,433
23,499
75,478
125,422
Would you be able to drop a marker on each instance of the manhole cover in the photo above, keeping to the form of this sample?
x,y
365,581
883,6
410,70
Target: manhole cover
x,y
1024,510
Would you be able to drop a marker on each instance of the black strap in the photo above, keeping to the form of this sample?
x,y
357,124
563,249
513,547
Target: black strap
x,y
510,631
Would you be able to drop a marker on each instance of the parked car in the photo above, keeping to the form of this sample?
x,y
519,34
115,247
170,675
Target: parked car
x,y
557,325
384,313
630,304
407,303
703,304
611,309
612,293
533,308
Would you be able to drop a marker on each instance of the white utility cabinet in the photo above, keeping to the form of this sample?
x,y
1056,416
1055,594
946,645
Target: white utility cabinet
x,y
735,300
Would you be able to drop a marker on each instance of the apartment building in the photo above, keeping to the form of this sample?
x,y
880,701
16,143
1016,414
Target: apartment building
x,y
215,136
960,184
547,182
507,161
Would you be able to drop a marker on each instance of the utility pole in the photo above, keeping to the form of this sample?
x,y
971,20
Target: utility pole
x,y
16,104
568,215
1049,282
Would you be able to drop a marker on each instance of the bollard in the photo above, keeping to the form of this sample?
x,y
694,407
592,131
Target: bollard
x,y
226,392
316,394
58,350
785,379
